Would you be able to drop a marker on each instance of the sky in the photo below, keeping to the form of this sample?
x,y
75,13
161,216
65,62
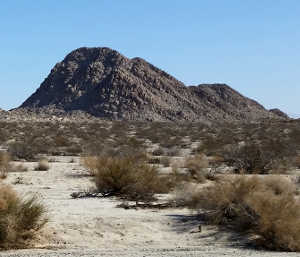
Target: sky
x,y
251,45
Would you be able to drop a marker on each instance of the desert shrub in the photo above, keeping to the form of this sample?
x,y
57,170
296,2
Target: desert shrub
x,y
211,144
247,158
197,167
126,177
42,165
165,161
257,158
154,160
74,149
20,218
60,140
4,164
297,162
93,146
22,150
91,163
173,151
178,176
265,209
158,152
3,134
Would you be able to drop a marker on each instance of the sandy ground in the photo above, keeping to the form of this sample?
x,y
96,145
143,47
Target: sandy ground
x,y
95,227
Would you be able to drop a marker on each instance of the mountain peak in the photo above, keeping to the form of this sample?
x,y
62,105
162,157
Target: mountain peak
x,y
104,83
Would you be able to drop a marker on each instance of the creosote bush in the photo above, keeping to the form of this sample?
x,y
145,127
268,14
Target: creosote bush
x,y
253,158
264,208
22,150
197,167
127,177
20,218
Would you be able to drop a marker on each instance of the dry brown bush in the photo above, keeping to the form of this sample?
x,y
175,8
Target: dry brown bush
x,y
4,164
297,162
264,208
60,140
197,167
91,162
158,152
42,165
22,150
254,158
165,161
126,177
20,218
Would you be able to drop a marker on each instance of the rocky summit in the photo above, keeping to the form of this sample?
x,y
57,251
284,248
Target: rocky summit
x,y
106,84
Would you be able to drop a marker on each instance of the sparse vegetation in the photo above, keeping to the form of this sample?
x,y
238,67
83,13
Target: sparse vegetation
x,y
126,177
197,167
265,208
129,155
20,218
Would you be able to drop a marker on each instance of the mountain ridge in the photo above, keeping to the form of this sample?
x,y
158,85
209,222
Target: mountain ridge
x,y
106,84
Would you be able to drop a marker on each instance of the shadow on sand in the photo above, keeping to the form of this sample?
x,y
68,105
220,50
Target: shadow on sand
x,y
212,235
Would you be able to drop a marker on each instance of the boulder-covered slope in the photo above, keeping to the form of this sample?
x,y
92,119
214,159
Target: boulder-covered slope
x,y
104,83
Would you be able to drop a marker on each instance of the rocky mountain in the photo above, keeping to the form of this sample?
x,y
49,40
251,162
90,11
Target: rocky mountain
x,y
104,83
279,113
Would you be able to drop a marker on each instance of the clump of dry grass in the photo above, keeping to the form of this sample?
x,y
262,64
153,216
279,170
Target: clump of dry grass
x,y
42,165
127,177
265,208
20,218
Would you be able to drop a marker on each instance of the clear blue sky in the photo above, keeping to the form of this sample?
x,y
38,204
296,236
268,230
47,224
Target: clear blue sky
x,y
252,45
